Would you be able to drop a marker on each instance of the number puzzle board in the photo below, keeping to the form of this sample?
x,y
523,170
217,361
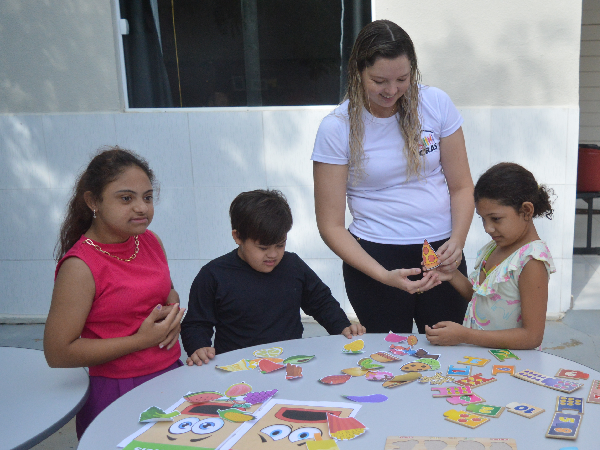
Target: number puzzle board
x,y
452,443
546,381
594,395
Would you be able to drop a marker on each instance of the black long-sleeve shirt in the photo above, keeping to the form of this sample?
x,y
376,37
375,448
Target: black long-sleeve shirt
x,y
247,307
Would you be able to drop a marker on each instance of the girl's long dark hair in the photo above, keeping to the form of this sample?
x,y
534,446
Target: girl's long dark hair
x,y
104,168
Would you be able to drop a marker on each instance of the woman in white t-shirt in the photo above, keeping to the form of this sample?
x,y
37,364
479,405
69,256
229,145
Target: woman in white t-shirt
x,y
395,149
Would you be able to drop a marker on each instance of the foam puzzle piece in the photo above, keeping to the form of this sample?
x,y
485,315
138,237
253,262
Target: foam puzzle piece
x,y
421,353
525,410
475,380
549,382
474,361
485,410
572,374
292,371
354,347
594,395
438,378
430,257
328,444
384,357
272,352
465,400
564,426
464,418
400,380
503,354
451,391
452,443
355,371
459,371
496,369
569,403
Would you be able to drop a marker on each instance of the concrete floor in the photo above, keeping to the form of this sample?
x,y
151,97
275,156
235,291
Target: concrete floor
x,y
576,337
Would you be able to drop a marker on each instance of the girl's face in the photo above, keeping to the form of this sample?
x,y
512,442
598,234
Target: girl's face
x,y
504,224
126,209
384,83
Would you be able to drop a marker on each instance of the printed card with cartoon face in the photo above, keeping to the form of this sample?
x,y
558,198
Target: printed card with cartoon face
x,y
199,426
287,424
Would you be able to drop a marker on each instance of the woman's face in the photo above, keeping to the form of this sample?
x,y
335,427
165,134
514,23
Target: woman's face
x,y
384,83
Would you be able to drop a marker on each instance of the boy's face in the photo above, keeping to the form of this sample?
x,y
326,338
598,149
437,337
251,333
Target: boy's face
x,y
262,258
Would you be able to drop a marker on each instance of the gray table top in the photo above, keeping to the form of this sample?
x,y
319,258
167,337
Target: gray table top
x,y
35,400
410,409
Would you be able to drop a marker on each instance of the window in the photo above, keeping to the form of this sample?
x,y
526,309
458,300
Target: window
x,y
199,53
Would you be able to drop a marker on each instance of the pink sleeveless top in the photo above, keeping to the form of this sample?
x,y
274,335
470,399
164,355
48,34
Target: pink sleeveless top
x,y
126,293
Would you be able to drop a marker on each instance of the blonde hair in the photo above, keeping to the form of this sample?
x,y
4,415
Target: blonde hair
x,y
383,39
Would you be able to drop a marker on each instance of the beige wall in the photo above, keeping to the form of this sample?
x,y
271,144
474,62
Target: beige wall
x,y
57,56
589,73
495,53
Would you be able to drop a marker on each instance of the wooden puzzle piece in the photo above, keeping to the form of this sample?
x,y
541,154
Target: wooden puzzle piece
x,y
458,371
594,395
564,426
464,418
503,354
438,378
523,409
485,410
452,443
465,400
451,391
473,361
430,257
475,380
572,374
549,382
496,369
569,403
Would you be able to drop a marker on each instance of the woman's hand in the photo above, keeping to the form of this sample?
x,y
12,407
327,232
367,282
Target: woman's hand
x,y
399,278
157,329
450,254
446,333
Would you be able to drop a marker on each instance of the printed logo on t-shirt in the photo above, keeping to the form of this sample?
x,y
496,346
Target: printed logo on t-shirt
x,y
427,143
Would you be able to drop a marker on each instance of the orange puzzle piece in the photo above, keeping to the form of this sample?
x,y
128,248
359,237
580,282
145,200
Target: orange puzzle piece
x,y
430,257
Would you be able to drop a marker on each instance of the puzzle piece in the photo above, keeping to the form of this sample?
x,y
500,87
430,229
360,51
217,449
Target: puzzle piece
x,y
451,443
496,369
594,395
543,380
464,418
473,361
475,380
564,426
569,403
438,378
465,400
451,391
503,354
485,410
572,374
460,371
523,409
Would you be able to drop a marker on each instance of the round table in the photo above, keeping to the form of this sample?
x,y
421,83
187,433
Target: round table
x,y
35,399
409,411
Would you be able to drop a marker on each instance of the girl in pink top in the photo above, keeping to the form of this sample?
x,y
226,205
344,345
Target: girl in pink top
x,y
114,308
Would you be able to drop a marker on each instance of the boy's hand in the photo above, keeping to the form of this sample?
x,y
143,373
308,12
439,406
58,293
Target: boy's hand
x,y
445,333
356,329
202,355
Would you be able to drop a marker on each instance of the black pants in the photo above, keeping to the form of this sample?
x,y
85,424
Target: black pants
x,y
381,308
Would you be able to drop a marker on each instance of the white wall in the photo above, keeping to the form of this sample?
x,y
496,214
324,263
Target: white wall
x,y
520,105
589,73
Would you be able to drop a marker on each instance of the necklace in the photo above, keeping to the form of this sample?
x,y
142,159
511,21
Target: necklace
x,y
483,263
131,258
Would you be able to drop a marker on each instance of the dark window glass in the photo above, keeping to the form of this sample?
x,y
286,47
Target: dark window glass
x,y
195,53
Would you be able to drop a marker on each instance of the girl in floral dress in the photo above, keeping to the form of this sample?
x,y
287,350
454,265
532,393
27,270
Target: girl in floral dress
x,y
509,286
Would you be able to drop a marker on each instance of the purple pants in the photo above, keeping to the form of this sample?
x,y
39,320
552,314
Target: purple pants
x,y
104,391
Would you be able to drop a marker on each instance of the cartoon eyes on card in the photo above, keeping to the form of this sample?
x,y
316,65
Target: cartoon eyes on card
x,y
196,426
278,432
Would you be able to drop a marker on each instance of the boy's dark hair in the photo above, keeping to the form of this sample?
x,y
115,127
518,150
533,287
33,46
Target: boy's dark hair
x,y
511,185
261,215
105,167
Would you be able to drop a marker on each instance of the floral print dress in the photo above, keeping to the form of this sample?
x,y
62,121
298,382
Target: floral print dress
x,y
496,303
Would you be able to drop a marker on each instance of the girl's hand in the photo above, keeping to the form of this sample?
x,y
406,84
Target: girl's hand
x,y
202,355
443,273
450,254
157,329
399,278
356,329
445,333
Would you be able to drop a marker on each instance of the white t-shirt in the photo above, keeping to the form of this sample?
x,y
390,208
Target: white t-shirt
x,y
386,207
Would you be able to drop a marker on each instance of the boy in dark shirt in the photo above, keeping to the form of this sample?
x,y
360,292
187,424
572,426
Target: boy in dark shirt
x,y
253,295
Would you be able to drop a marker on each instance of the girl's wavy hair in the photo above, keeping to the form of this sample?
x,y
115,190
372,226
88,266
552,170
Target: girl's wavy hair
x,y
105,167
383,39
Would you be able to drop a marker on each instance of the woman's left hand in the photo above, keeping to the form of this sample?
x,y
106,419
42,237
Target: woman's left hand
x,y
450,254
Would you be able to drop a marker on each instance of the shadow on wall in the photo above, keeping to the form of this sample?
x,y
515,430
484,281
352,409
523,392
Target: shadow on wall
x,y
57,56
